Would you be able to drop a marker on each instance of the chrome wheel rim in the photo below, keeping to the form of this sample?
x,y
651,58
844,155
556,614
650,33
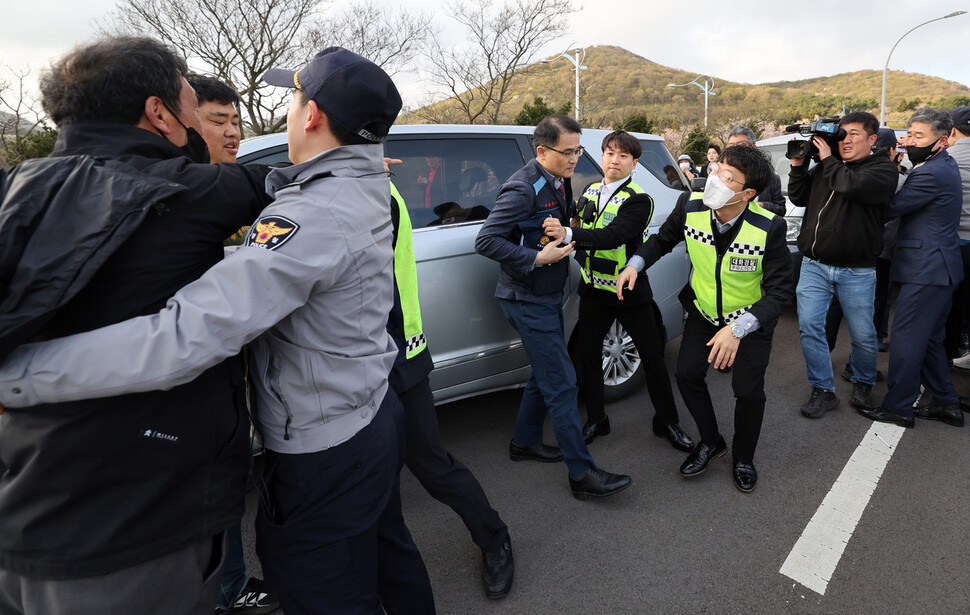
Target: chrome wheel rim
x,y
620,356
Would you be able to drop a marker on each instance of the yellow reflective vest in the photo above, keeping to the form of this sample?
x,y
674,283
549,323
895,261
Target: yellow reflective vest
x,y
601,267
725,285
406,278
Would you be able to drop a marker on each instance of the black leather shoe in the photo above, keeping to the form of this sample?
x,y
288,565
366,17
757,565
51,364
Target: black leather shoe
x,y
885,416
951,414
539,452
675,435
599,428
598,484
745,476
701,456
498,568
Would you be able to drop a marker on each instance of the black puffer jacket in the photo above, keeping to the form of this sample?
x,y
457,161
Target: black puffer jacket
x,y
845,206
108,228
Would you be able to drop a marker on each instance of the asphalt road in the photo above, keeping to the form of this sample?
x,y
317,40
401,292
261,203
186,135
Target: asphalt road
x,y
675,545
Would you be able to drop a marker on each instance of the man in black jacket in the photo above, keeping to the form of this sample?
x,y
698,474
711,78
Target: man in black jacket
x,y
845,198
611,223
137,490
739,284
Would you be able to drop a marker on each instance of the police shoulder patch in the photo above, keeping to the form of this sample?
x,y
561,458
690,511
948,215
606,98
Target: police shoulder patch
x,y
270,232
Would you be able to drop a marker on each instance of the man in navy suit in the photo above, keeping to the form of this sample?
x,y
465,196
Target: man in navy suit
x,y
927,267
534,270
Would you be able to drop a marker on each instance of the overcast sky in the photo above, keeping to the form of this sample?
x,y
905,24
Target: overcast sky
x,y
749,41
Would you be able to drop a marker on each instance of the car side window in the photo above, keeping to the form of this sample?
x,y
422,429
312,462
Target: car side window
x,y
586,172
657,159
274,156
453,180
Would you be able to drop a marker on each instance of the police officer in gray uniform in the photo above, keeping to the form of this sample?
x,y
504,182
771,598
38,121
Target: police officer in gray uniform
x,y
311,288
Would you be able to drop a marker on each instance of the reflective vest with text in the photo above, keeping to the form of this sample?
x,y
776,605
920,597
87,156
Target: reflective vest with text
x,y
601,267
725,284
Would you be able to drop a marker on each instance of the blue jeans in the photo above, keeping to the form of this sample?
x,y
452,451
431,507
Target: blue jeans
x,y
552,385
856,291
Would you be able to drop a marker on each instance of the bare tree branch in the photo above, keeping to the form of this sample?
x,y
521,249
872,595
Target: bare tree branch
x,y
235,40
23,130
499,42
390,39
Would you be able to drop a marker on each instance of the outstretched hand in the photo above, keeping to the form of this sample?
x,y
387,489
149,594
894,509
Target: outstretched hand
x,y
552,253
724,348
627,278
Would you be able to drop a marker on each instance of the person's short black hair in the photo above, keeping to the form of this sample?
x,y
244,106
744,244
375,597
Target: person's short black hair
x,y
713,146
548,130
623,141
938,120
869,122
343,135
210,89
110,79
755,164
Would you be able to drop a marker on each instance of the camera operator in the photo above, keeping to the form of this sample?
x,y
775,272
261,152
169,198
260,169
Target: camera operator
x,y
841,238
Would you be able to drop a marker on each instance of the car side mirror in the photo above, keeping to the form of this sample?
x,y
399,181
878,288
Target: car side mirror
x,y
697,184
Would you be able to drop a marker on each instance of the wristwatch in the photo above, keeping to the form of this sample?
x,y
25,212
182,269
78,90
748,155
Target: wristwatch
x,y
737,330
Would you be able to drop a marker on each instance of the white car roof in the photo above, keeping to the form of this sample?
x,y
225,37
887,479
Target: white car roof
x,y
263,141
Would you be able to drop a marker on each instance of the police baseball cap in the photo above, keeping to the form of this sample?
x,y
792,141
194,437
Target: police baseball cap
x,y
350,89
886,137
960,116
684,157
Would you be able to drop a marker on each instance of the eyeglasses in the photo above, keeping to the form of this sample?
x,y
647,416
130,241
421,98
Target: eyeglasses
x,y
727,177
570,154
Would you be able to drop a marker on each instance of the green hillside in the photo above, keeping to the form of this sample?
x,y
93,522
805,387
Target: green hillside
x,y
618,84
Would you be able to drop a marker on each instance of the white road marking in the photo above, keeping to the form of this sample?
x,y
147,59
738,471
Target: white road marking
x,y
817,552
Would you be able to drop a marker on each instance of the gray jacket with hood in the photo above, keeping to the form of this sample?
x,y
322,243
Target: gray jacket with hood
x,y
311,287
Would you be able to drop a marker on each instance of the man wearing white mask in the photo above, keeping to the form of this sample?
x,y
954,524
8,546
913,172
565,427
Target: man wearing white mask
x,y
740,282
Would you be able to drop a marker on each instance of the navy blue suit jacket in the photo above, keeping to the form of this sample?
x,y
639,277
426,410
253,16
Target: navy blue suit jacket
x,y
513,235
929,206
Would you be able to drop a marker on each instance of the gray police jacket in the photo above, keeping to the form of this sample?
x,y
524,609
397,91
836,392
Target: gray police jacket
x,y
312,286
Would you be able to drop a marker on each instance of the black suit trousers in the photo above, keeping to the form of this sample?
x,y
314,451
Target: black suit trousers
x,y
596,315
443,476
747,380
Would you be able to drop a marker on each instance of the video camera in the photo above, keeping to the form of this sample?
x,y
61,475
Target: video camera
x,y
827,129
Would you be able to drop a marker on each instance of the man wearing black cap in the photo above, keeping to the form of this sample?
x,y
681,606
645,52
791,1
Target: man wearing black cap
x,y
311,288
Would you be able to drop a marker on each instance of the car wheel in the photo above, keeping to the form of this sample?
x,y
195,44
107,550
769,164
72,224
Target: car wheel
x,y
622,368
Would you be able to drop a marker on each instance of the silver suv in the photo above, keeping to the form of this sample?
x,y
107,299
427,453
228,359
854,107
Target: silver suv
x,y
449,180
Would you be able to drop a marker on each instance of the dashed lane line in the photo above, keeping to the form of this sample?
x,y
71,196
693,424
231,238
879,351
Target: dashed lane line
x,y
816,554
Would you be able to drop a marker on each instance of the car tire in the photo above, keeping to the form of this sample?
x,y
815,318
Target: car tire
x,y
623,372
622,368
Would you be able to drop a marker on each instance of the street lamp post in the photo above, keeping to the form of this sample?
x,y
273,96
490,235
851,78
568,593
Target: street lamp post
x,y
882,107
708,89
577,63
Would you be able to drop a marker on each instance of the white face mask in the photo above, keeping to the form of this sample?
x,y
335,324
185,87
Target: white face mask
x,y
716,193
